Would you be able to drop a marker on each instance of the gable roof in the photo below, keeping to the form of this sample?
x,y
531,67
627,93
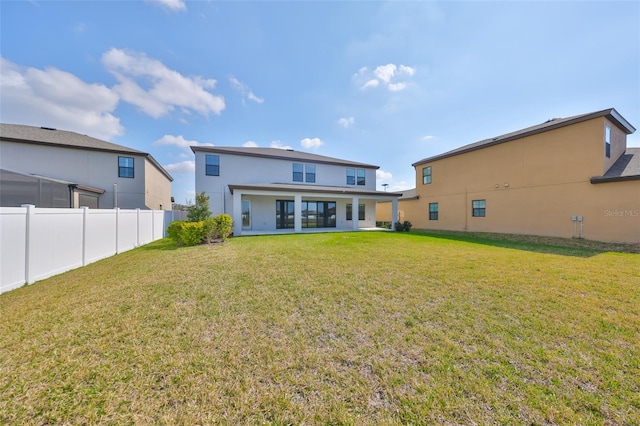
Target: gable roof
x,y
65,139
280,154
626,167
611,114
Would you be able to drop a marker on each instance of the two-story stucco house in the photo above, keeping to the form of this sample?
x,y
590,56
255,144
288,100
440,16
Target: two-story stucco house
x,y
56,168
567,177
270,190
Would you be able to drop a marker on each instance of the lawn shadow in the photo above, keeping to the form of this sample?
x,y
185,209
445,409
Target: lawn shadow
x,y
162,244
533,243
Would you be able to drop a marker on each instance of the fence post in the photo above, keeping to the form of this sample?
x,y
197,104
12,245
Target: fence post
x,y
30,214
85,215
137,227
117,225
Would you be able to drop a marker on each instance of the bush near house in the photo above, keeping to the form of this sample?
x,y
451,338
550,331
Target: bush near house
x,y
187,233
403,226
200,210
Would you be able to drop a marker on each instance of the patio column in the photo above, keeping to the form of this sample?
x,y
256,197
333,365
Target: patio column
x,y
237,213
394,211
354,212
297,213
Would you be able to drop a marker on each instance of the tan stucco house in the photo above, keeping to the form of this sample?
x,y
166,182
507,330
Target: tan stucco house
x,y
47,167
567,177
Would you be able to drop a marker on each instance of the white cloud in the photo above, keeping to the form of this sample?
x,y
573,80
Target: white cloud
x,y
396,87
427,137
385,75
250,144
244,90
403,69
371,83
309,143
179,141
401,186
346,121
183,167
279,145
168,89
55,98
385,72
382,175
172,5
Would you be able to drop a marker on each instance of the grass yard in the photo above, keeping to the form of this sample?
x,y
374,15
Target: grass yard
x,y
339,328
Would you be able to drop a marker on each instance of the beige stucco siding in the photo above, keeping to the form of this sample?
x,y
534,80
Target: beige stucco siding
x,y
532,185
158,188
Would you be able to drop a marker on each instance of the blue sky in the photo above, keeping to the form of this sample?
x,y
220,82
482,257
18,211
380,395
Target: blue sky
x,y
385,83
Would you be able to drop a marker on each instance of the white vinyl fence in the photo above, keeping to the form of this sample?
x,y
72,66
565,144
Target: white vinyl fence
x,y
36,243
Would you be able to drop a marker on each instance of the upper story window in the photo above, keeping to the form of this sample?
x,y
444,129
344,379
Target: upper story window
x,y
212,165
351,176
310,173
297,172
125,167
360,173
478,208
607,141
426,175
304,172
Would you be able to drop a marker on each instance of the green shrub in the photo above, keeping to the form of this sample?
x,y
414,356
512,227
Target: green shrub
x,y
192,233
223,226
187,233
210,231
403,226
174,231
200,211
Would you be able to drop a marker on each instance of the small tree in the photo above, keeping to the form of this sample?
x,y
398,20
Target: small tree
x,y
200,210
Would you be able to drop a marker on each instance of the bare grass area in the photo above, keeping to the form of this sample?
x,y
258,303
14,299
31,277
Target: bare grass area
x,y
338,328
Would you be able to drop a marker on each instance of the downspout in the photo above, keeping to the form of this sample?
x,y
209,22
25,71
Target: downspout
x,y
466,209
70,186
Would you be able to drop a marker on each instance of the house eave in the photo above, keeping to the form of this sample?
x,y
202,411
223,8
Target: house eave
x,y
287,188
610,113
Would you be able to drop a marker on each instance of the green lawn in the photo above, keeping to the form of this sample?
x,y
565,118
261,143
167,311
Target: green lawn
x,y
338,328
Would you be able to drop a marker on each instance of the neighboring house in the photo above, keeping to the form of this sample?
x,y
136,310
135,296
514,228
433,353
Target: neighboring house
x,y
39,164
383,210
267,190
567,177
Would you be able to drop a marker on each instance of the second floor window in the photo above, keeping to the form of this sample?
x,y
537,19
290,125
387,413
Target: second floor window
x,y
297,172
351,176
125,167
212,165
607,141
361,177
310,173
426,175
